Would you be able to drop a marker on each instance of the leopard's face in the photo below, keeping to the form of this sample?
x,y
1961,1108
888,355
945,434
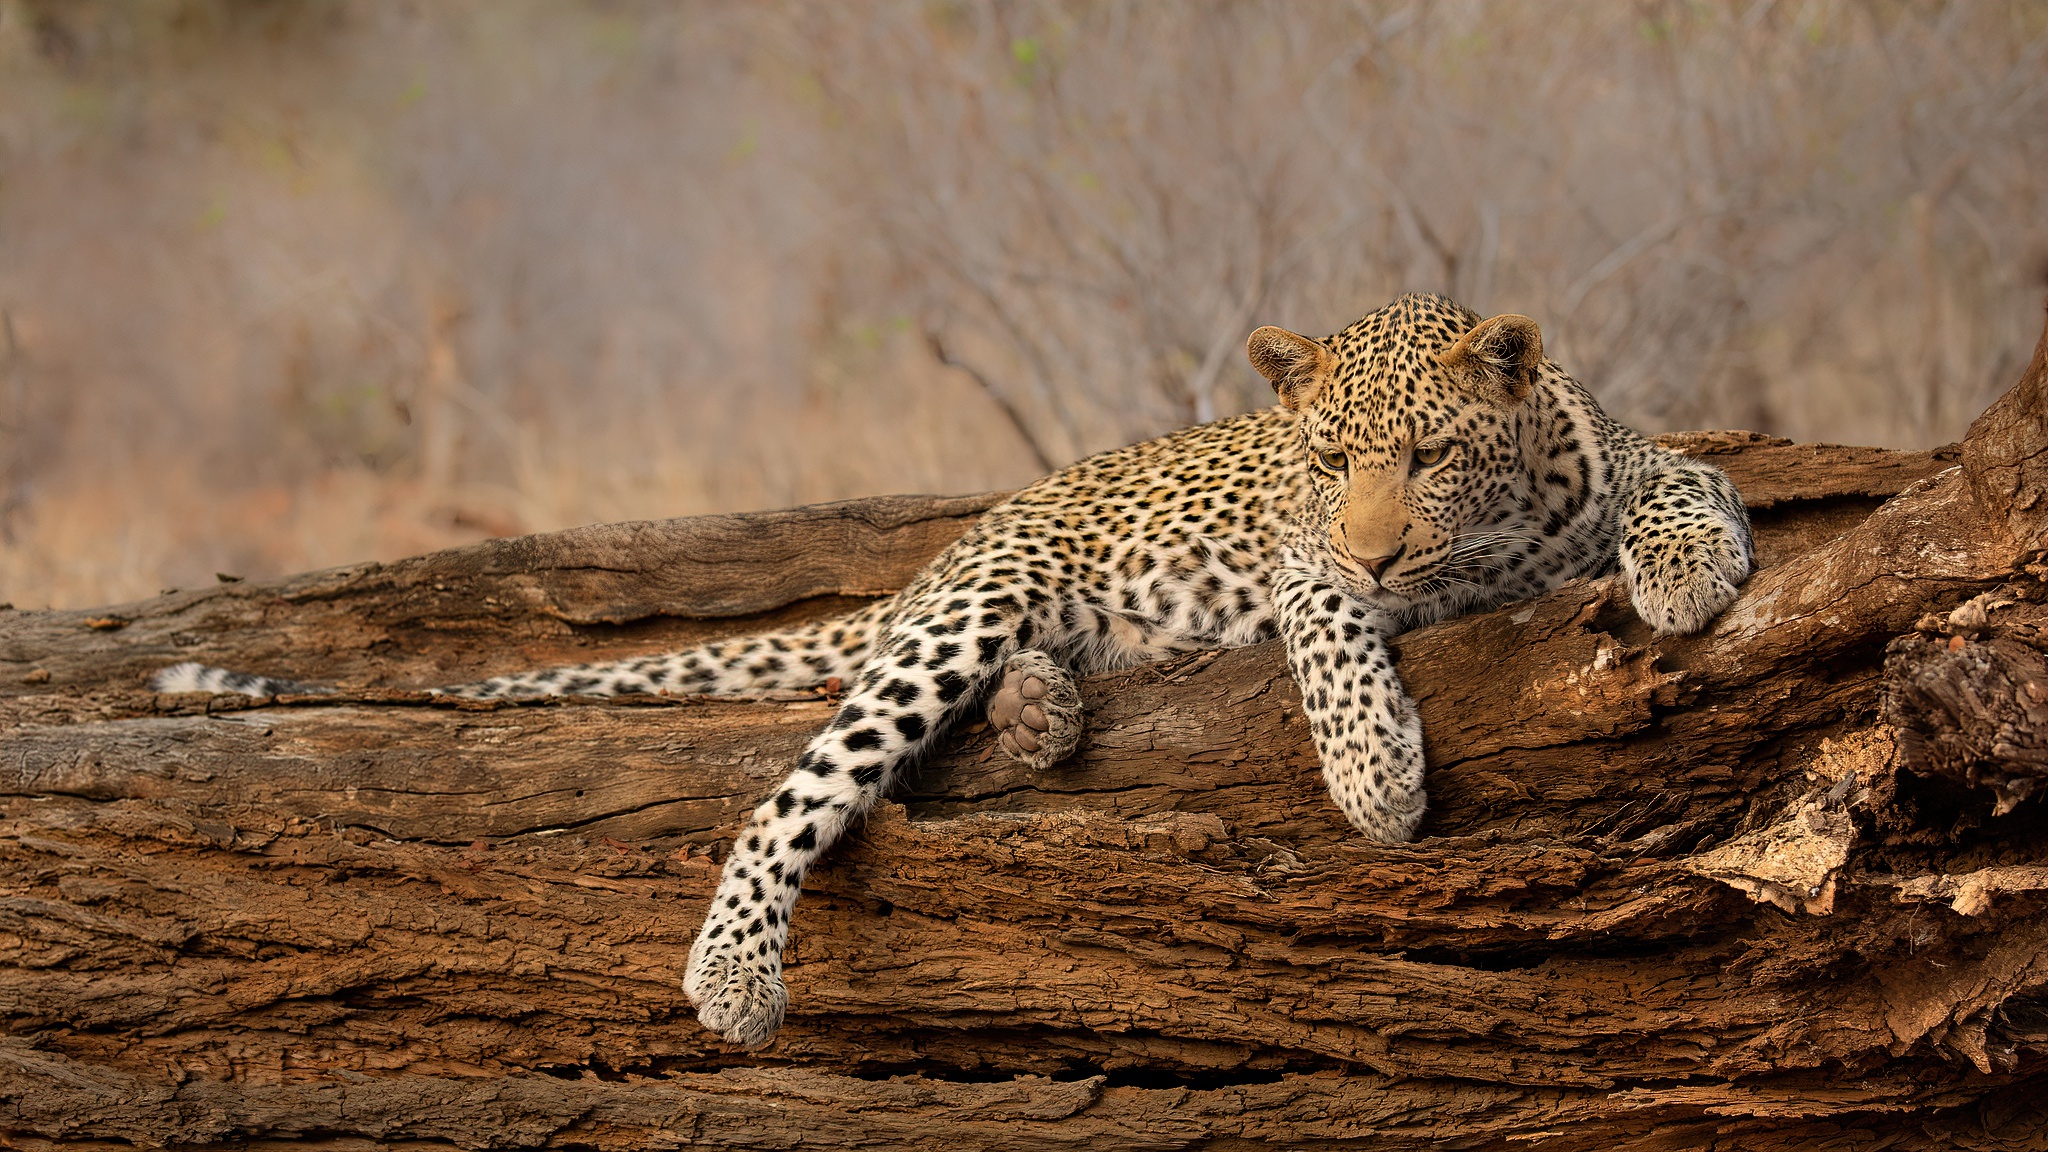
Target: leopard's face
x,y
1408,423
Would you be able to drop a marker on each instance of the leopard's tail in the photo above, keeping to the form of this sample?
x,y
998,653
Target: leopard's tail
x,y
192,677
791,660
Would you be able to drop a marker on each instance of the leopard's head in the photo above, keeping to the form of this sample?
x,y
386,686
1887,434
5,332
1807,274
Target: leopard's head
x,y
1409,422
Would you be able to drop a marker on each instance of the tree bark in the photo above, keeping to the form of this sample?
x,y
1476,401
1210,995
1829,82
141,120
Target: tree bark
x,y
1743,889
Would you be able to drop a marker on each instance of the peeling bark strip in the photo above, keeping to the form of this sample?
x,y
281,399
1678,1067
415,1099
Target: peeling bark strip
x,y
1739,890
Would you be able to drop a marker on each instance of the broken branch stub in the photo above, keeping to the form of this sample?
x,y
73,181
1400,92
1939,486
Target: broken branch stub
x,y
1969,695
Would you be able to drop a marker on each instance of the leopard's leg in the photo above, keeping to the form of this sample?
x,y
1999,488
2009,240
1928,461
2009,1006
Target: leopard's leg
x,y
1367,732
934,659
1685,546
1036,710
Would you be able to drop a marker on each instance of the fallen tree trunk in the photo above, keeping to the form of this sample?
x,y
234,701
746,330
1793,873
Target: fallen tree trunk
x,y
1670,893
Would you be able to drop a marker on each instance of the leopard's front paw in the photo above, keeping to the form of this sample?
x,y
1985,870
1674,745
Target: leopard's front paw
x,y
1036,710
1390,798
741,999
1682,581
1375,770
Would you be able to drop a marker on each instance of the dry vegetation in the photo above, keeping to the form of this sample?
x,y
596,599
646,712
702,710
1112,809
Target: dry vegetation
x,y
289,285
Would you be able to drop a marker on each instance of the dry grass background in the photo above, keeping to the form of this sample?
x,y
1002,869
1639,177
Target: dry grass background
x,y
287,284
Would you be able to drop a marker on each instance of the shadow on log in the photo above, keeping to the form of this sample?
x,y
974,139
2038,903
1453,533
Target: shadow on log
x,y
1765,887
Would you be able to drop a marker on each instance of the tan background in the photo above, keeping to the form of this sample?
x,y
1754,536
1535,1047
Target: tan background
x,y
291,284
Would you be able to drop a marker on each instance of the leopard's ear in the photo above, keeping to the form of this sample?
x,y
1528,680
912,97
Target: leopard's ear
x,y
1498,360
1295,364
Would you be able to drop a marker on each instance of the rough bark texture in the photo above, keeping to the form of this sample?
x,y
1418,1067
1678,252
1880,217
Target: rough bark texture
x,y
1730,890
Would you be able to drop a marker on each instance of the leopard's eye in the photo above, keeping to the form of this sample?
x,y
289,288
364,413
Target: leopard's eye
x,y
1431,455
1332,461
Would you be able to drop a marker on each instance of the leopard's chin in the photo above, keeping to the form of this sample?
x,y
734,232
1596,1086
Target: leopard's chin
x,y
1401,590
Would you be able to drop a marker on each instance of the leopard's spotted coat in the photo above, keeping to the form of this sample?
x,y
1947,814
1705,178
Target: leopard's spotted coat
x,y
1421,464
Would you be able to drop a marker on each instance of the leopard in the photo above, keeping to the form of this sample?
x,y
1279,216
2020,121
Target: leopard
x,y
1422,463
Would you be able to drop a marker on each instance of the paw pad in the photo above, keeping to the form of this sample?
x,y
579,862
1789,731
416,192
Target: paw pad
x,y
1036,710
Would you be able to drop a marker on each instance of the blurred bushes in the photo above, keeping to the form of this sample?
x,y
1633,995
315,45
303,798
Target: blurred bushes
x,y
293,283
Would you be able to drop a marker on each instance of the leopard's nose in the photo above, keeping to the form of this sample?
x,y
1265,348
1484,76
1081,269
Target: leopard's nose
x,y
1379,564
